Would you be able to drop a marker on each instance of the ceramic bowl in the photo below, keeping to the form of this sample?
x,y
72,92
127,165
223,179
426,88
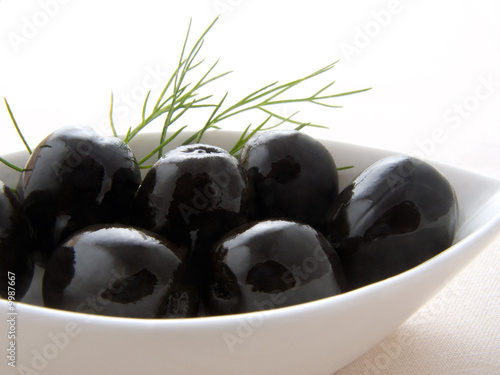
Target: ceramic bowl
x,y
319,337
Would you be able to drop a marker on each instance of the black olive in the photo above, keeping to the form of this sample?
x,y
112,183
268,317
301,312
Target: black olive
x,y
73,179
192,196
398,213
295,176
119,271
271,264
17,247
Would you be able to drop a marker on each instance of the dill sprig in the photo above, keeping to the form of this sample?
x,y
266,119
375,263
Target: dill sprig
x,y
2,160
267,96
177,97
182,94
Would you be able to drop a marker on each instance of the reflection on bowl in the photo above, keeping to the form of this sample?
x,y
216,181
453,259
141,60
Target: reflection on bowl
x,y
318,337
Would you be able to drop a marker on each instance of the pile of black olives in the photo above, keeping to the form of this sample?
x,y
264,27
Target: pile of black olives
x,y
205,233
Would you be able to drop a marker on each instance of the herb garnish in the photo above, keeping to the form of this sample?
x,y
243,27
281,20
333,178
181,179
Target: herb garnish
x,y
177,97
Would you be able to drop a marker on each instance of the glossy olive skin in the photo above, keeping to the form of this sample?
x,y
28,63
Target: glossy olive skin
x,y
119,271
295,176
398,213
192,196
271,264
17,247
76,178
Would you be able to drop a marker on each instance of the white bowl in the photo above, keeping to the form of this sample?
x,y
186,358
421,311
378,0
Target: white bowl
x,y
318,337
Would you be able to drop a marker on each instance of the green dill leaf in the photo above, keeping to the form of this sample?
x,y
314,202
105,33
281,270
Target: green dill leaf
x,y
17,127
112,124
344,168
181,94
10,165
154,151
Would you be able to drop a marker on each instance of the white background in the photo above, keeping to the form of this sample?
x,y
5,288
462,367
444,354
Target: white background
x,y
434,67
60,62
